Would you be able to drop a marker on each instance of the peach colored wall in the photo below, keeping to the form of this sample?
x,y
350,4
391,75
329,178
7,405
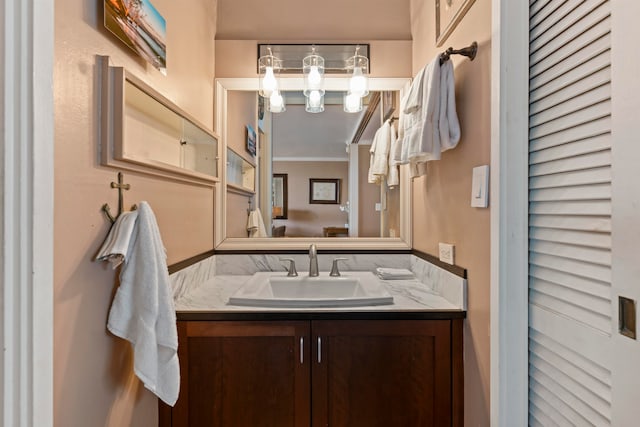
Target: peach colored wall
x,y
441,200
305,219
93,381
238,58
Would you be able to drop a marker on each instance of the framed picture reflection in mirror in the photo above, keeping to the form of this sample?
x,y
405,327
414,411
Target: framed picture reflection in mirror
x,y
324,191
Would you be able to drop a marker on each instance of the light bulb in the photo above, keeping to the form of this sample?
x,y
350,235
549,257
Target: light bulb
x,y
314,98
276,103
358,83
269,82
314,76
352,103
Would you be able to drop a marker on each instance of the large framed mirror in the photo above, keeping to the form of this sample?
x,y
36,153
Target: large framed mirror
x,y
332,145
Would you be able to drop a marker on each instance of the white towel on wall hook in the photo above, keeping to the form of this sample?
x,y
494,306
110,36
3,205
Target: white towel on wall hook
x,y
116,246
143,311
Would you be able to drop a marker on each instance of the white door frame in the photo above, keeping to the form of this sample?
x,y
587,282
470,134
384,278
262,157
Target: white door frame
x,y
26,177
509,201
625,199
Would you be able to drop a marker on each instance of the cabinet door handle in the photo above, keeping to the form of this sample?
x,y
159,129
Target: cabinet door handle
x,y
319,350
302,350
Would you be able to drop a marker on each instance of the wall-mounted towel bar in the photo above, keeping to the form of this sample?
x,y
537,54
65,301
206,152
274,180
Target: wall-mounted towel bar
x,y
469,51
120,186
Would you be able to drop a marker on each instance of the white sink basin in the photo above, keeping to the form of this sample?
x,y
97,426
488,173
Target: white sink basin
x,y
275,289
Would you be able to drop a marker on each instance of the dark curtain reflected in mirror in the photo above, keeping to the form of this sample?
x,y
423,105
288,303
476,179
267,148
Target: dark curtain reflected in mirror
x,y
279,196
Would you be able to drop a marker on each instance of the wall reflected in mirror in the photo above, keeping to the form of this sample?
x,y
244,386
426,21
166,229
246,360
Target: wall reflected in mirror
x,y
309,146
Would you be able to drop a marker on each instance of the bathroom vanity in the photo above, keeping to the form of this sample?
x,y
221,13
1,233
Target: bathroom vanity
x,y
297,369
387,365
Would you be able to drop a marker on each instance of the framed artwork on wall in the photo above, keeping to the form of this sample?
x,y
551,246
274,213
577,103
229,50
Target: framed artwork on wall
x,y
251,140
324,191
140,26
449,13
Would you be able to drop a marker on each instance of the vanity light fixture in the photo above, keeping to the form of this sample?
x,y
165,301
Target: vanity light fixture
x,y
358,65
269,70
276,59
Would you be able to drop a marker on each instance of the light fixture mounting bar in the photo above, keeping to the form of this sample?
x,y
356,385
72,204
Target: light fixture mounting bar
x,y
335,55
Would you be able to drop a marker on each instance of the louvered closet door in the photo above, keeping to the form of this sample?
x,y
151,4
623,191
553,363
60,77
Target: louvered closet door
x,y
570,292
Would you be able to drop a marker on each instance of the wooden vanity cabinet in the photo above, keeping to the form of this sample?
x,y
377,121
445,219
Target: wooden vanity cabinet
x,y
382,373
319,373
241,373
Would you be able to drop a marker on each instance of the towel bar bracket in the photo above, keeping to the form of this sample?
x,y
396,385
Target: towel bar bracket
x,y
469,51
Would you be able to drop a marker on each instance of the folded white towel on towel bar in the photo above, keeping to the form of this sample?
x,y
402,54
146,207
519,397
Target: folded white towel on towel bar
x,y
428,120
143,312
116,246
394,273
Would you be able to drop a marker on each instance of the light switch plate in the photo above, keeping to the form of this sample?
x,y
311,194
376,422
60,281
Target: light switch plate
x,y
446,252
480,187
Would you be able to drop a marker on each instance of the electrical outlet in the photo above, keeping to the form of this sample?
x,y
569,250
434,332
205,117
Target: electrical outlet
x,y
446,252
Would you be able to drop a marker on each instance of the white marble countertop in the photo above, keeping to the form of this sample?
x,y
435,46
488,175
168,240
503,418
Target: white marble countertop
x,y
213,296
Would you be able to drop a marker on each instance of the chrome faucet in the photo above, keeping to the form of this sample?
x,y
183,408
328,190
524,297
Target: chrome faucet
x,y
313,261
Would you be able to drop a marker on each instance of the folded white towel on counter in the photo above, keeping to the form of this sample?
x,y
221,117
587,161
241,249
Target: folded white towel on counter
x,y
255,224
115,247
394,273
143,312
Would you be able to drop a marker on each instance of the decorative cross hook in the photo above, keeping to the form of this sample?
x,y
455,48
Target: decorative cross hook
x,y
120,186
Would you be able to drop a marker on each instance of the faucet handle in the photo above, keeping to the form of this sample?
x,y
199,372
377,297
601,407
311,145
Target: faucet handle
x,y
292,267
334,268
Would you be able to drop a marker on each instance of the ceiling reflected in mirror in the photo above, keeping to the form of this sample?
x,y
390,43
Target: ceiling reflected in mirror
x,y
324,137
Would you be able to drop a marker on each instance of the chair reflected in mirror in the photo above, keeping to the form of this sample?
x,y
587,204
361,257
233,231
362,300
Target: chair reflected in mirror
x,y
335,231
278,231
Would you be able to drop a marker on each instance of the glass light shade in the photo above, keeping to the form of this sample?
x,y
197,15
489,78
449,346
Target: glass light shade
x,y
352,103
276,102
269,70
314,103
359,82
313,68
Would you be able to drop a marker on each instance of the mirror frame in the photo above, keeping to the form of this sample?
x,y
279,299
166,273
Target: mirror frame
x,y
222,243
284,178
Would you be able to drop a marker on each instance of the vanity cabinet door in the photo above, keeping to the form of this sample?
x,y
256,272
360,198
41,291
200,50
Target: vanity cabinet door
x,y
243,374
383,373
